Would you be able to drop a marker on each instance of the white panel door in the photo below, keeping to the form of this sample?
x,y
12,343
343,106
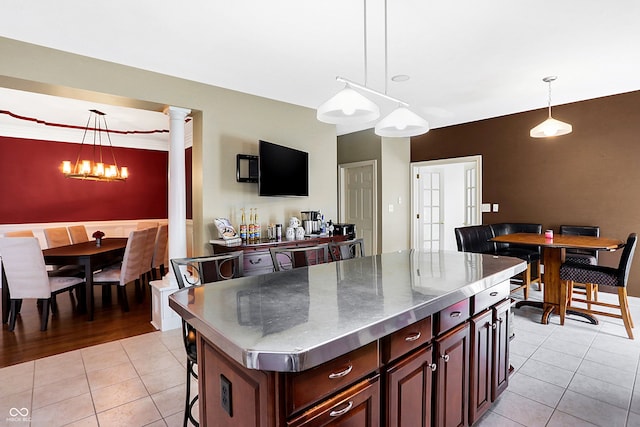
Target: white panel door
x,y
358,189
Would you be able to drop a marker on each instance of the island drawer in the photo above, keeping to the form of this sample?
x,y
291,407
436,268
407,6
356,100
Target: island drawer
x,y
491,296
406,339
452,316
305,388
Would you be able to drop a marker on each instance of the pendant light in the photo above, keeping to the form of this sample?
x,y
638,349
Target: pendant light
x,y
551,126
348,106
401,122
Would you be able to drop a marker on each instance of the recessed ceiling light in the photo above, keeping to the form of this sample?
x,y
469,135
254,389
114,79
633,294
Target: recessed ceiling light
x,y
400,78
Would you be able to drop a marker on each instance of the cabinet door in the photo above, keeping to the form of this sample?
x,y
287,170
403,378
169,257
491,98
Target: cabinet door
x,y
452,383
408,394
500,349
482,361
358,406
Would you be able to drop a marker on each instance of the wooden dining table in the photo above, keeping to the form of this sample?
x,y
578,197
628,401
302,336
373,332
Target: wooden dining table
x,y
553,256
91,256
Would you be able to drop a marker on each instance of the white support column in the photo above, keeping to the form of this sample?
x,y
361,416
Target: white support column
x,y
163,317
177,181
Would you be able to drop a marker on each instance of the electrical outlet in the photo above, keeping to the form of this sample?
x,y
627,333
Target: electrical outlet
x,y
390,208
225,395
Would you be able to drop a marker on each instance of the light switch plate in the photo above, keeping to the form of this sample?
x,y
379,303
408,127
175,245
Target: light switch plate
x,y
486,207
495,207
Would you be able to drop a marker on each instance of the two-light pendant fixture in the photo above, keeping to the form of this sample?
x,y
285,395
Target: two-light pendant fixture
x,y
551,126
349,106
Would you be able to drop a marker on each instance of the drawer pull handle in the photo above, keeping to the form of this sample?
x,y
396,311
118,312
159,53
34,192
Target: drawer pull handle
x,y
413,337
341,411
445,357
455,314
256,262
433,367
493,294
340,374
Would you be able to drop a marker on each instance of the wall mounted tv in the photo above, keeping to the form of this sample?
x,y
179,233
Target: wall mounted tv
x,y
284,171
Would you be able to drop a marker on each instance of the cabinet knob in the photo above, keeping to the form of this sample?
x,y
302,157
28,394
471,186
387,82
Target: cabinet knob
x,y
433,367
340,374
413,337
341,411
445,357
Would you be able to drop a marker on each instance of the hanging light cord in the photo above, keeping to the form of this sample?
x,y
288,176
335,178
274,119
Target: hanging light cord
x,y
549,103
386,48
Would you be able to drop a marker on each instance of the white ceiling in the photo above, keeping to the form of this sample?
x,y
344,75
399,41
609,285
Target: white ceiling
x,y
467,59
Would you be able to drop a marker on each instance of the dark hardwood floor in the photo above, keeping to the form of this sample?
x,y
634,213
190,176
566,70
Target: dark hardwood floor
x,y
69,330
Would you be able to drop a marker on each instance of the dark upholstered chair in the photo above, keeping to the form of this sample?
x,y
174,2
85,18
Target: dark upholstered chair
x,y
477,238
583,256
286,258
573,272
195,272
346,249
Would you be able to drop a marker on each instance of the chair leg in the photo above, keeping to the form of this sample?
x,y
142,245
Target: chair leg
x,y
527,281
624,308
122,293
45,314
13,312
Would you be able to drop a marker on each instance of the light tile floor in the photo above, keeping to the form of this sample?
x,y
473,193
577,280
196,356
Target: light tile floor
x,y
573,375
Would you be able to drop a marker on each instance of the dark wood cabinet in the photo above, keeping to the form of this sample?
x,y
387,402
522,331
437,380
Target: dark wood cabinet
x,y
409,390
452,378
489,358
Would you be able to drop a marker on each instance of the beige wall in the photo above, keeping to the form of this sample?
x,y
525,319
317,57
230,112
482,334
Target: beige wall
x,y
392,156
225,123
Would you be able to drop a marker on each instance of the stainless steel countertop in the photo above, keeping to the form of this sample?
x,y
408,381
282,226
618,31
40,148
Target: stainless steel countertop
x,y
293,320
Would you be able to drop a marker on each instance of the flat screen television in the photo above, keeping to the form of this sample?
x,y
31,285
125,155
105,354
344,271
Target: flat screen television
x,y
283,171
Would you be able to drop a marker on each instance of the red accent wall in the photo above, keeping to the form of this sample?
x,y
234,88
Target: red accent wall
x,y
33,189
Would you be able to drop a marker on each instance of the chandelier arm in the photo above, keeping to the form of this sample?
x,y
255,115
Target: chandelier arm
x,y
84,135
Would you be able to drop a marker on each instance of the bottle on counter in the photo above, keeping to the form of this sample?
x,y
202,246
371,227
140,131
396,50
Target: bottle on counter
x,y
243,228
252,228
257,232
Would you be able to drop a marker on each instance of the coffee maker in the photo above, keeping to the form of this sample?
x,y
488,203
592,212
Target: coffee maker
x,y
311,221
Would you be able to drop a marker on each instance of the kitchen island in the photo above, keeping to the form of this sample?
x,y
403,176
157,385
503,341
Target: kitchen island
x,y
391,339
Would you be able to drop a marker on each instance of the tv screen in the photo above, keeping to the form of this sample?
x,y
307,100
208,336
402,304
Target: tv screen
x,y
284,171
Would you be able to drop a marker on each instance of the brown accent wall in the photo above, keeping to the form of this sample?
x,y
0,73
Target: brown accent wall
x,y
588,177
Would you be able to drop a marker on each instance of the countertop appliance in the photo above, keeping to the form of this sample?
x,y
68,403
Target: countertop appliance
x,y
348,230
311,221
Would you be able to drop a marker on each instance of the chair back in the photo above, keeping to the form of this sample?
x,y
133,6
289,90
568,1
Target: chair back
x,y
581,230
24,268
347,249
149,245
20,233
133,256
503,228
160,248
57,236
475,238
196,271
625,259
78,234
293,257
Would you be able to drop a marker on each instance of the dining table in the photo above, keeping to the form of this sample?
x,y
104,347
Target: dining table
x,y
92,257
554,250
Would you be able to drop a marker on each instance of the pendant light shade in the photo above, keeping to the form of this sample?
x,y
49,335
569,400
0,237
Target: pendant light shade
x,y
551,126
348,107
402,122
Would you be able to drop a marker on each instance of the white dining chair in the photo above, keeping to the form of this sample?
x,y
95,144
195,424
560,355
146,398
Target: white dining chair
x,y
160,251
129,270
26,274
